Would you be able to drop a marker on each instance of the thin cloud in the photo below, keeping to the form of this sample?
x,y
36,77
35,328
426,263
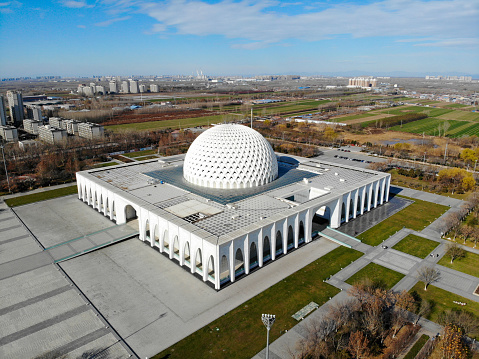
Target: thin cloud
x,y
81,26
463,42
112,21
256,21
73,4
9,6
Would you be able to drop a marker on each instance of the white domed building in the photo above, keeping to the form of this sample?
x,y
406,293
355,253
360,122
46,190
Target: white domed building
x,y
231,205
230,156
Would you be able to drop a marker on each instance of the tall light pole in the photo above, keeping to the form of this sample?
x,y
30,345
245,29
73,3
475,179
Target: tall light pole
x,y
5,164
268,321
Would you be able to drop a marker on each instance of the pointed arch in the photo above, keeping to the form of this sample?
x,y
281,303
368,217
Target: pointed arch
x,y
130,213
253,256
239,263
266,249
290,243
147,231
351,208
358,205
301,233
372,198
343,212
224,270
101,203
365,202
211,268
166,242
187,254
156,236
107,207
176,248
199,261
278,244
113,211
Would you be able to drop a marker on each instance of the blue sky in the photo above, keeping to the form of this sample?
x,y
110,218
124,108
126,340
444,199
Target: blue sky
x,y
143,37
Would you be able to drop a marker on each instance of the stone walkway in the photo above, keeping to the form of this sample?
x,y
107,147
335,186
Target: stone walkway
x,y
41,310
451,280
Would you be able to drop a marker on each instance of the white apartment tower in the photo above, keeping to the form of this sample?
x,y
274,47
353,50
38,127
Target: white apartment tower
x,y
113,87
134,86
15,103
51,135
154,88
125,87
90,130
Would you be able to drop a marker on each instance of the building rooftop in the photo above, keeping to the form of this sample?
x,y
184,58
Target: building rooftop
x,y
220,212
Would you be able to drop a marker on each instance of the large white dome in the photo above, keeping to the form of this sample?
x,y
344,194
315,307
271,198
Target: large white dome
x,y
230,156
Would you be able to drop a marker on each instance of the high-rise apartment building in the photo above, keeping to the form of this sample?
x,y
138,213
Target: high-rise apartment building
x,y
154,88
15,103
113,87
9,133
133,86
3,113
142,88
51,135
125,87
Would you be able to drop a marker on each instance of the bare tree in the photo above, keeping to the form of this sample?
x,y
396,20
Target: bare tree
x,y
428,275
466,231
358,345
423,310
455,251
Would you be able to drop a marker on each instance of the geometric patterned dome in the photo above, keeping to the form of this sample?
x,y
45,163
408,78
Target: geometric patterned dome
x,y
230,156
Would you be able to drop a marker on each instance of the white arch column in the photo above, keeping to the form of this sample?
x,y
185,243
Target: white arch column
x,y
335,210
246,248
260,247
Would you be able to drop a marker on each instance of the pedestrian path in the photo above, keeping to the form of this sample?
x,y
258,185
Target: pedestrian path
x,y
451,280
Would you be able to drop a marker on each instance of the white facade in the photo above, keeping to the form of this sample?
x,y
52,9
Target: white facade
x,y
51,135
113,87
3,114
134,86
31,126
15,103
90,130
221,240
9,133
125,88
154,88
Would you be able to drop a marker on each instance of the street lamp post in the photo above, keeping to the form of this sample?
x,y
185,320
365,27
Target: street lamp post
x,y
268,321
5,164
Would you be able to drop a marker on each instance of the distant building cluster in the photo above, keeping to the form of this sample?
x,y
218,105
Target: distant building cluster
x,y
116,85
55,131
363,82
450,78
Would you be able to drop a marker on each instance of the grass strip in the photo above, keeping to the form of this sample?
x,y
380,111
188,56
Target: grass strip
x,y
469,264
377,274
416,216
416,246
442,300
241,334
417,347
41,196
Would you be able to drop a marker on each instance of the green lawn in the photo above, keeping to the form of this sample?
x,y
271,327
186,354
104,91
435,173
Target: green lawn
x,y
442,300
41,196
417,347
416,216
469,264
140,153
106,164
376,273
416,246
152,125
241,334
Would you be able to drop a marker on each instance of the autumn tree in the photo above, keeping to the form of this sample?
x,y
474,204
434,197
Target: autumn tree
x,y
455,251
453,345
358,345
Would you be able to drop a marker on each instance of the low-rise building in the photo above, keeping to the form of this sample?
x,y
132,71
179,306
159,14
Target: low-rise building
x,y
51,135
9,133
31,126
71,126
90,130
56,122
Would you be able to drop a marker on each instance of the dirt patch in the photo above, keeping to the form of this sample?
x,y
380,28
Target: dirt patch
x,y
377,135
134,117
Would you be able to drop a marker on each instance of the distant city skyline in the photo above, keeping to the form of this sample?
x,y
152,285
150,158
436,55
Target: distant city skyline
x,y
74,38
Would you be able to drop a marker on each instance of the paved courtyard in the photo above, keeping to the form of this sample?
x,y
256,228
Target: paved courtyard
x,y
42,312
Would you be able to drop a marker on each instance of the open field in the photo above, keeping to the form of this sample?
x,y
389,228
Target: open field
x,y
287,107
416,246
442,300
158,125
430,111
41,196
376,273
469,264
461,115
240,333
430,126
140,153
416,216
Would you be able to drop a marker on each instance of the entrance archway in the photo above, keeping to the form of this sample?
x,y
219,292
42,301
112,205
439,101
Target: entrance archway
x,y
187,254
366,202
130,213
156,236
253,256
211,268
199,261
266,249
224,270
147,231
351,208
239,263
301,239
176,248
279,244
358,206
372,199
166,242
290,243
343,212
